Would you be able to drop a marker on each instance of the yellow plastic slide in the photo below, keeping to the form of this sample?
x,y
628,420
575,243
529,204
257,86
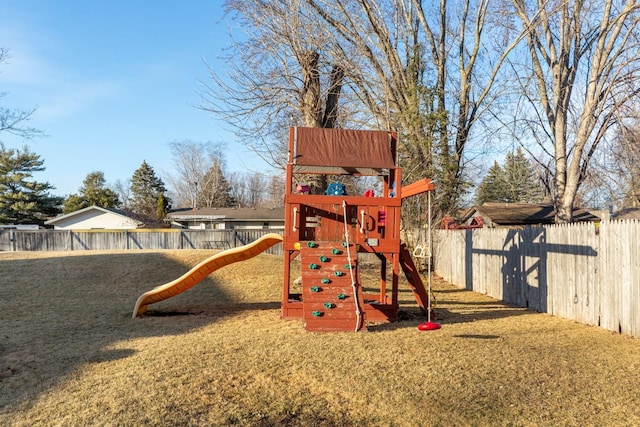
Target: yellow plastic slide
x,y
202,270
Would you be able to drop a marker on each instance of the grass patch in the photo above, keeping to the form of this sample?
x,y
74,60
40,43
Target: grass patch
x,y
219,354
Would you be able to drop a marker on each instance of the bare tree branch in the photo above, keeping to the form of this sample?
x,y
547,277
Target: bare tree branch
x,y
582,53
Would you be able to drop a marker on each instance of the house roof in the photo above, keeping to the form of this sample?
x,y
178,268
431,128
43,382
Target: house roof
x,y
628,213
82,211
524,213
140,219
227,214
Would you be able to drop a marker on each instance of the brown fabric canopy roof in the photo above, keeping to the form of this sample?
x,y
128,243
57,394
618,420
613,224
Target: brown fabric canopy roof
x,y
342,148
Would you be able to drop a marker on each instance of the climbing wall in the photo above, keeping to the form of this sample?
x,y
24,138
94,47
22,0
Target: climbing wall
x,y
329,301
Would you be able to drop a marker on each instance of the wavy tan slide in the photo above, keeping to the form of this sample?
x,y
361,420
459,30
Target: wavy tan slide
x,y
202,270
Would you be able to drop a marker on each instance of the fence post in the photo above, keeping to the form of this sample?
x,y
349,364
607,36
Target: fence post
x,y
13,240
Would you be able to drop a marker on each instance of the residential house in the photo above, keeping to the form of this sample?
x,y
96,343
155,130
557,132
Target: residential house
x,y
97,218
628,213
227,218
515,214
21,227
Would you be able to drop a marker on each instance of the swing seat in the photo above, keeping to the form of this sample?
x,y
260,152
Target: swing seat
x,y
421,252
429,326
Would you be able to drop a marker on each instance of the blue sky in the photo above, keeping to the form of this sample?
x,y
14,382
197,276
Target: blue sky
x,y
114,82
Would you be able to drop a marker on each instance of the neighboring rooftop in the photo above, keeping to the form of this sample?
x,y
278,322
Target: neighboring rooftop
x,y
99,217
505,214
228,213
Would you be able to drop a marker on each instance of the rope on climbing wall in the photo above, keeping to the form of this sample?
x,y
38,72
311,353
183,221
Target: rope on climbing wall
x,y
354,286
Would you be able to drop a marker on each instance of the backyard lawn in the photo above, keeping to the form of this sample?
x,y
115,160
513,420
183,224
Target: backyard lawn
x,y
219,354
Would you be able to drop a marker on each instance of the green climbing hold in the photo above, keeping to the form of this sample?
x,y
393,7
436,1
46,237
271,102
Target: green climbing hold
x,y
314,266
348,266
325,280
316,289
336,251
339,273
342,296
316,313
345,244
328,305
324,259
311,244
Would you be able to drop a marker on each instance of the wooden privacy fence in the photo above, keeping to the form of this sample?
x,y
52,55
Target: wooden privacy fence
x,y
75,240
584,272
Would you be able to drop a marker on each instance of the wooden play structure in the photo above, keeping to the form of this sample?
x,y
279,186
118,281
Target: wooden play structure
x,y
327,232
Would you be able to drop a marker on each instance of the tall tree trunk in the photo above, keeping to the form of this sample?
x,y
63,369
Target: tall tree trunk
x,y
310,103
596,42
331,105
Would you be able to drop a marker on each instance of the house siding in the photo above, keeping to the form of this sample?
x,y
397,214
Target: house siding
x,y
230,225
96,220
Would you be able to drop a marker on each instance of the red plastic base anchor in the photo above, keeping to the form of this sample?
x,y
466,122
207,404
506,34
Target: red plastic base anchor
x,y
429,326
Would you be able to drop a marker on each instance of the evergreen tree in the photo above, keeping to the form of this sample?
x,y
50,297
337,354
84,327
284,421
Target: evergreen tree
x,y
161,207
23,200
146,190
93,192
514,182
74,202
216,192
491,189
521,182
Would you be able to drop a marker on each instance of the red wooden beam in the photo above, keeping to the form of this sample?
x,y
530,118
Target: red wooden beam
x,y
417,187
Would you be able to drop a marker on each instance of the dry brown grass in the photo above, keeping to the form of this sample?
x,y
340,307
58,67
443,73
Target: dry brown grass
x,y
220,355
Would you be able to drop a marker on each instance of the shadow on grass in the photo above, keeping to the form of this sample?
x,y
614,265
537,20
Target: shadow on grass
x,y
110,355
451,311
477,336
232,308
58,313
